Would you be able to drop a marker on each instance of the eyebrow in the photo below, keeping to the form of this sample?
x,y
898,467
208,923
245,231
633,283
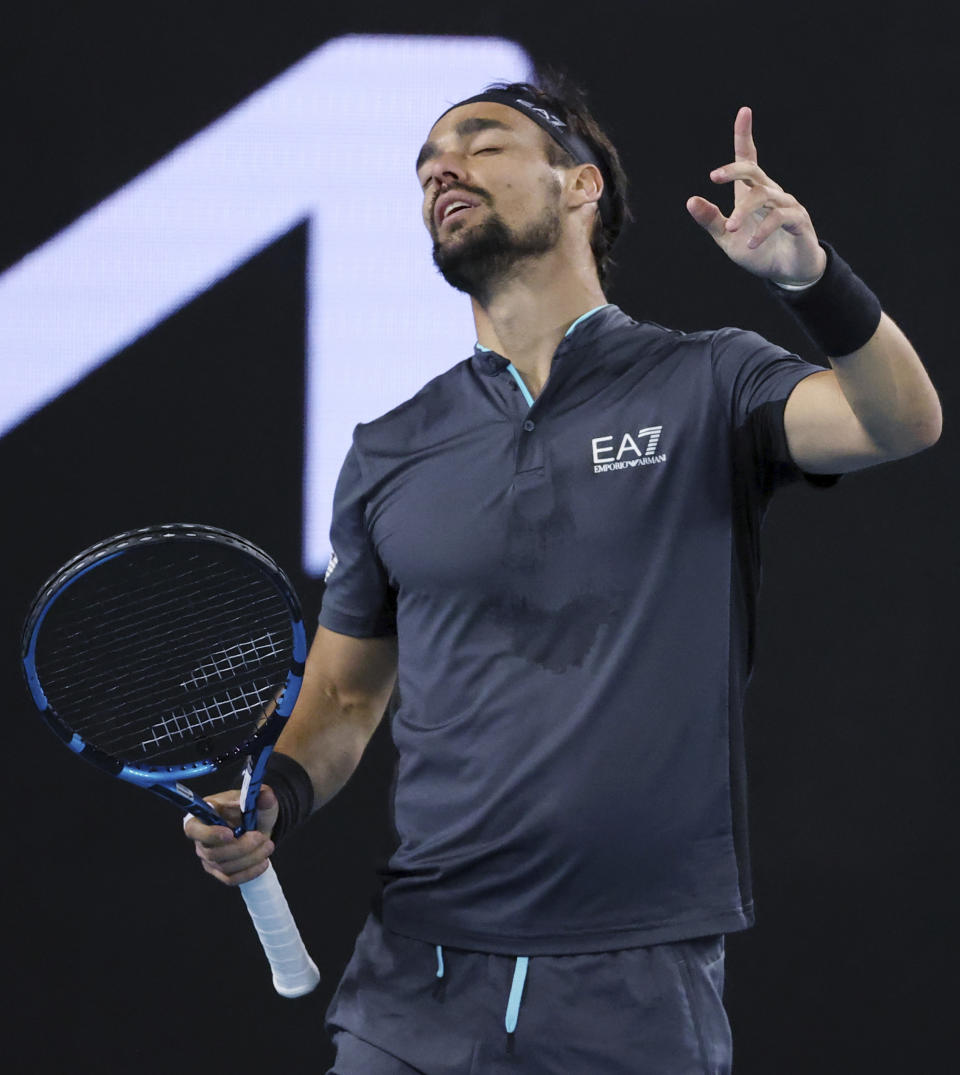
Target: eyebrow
x,y
465,127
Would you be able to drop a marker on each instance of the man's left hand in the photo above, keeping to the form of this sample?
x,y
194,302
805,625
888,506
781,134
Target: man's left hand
x,y
769,232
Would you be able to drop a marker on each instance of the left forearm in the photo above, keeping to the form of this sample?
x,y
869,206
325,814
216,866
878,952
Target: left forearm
x,y
889,391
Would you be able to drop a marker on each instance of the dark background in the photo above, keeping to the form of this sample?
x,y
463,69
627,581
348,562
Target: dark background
x,y
112,962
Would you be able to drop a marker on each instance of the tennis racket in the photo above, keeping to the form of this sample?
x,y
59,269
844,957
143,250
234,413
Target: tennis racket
x,y
168,653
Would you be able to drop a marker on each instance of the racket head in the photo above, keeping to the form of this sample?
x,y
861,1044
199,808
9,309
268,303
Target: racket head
x,y
165,653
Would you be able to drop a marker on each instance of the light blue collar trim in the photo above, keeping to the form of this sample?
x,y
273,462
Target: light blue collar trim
x,y
479,346
583,317
520,382
516,373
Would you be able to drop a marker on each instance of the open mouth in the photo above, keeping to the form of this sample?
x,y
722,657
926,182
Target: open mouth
x,y
452,205
457,209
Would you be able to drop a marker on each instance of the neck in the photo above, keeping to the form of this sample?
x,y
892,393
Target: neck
x,y
526,318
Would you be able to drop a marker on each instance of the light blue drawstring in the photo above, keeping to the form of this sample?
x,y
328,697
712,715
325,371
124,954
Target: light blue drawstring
x,y
516,987
516,992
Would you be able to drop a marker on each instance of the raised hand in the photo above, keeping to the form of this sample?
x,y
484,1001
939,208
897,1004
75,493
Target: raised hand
x,y
769,232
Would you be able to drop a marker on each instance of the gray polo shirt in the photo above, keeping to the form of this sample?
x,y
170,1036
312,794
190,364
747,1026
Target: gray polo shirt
x,y
573,586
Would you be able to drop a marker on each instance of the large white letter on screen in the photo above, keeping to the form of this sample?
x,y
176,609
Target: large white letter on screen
x,y
333,141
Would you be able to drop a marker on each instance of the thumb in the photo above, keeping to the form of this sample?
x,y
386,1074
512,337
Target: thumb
x,y
707,215
267,810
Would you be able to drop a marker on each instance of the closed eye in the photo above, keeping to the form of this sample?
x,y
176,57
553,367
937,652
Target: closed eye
x,y
488,149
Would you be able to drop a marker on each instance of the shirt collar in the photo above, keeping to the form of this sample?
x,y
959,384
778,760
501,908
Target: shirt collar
x,y
490,362
583,317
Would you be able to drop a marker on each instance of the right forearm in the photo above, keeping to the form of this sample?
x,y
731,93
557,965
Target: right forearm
x,y
346,687
347,684
328,743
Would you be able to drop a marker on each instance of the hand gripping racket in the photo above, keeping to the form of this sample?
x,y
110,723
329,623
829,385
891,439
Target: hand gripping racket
x,y
167,653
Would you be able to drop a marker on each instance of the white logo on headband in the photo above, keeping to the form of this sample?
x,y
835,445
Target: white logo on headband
x,y
548,116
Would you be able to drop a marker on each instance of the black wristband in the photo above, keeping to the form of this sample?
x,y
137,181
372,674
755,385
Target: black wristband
x,y
839,312
294,791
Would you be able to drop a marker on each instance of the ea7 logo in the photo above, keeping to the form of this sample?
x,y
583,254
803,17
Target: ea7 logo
x,y
609,455
553,120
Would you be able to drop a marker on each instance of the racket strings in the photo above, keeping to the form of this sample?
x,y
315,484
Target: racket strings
x,y
225,662
110,608
206,714
157,654
115,726
81,656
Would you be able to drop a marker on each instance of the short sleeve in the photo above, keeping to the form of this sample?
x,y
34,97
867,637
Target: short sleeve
x,y
357,598
749,371
754,379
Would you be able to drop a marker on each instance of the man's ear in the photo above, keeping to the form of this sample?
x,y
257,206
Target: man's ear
x,y
587,186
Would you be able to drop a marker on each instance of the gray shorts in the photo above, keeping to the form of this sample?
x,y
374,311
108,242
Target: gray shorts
x,y
405,1006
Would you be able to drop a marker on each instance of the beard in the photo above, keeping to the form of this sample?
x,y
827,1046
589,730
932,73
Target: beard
x,y
486,256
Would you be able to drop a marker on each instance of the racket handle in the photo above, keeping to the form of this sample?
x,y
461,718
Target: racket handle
x,y
294,972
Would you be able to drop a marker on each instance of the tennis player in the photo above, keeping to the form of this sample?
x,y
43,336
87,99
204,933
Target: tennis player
x,y
556,544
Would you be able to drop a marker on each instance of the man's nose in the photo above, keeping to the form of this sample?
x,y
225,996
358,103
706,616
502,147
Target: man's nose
x,y
448,168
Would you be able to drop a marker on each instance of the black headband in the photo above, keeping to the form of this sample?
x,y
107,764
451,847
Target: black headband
x,y
558,130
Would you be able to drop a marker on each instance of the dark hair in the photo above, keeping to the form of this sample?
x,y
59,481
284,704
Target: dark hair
x,y
558,95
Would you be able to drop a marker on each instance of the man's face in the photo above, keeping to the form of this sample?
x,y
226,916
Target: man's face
x,y
490,197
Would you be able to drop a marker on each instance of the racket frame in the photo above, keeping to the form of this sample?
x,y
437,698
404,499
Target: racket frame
x,y
165,780
294,972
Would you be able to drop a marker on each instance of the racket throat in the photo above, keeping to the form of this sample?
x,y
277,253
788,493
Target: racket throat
x,y
250,790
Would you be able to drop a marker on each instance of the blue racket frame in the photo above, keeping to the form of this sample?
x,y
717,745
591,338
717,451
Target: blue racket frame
x,y
165,781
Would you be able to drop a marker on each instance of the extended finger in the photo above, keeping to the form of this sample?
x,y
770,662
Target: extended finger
x,y
744,148
748,172
200,831
707,215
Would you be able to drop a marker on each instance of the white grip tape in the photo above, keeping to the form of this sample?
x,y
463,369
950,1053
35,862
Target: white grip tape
x,y
294,972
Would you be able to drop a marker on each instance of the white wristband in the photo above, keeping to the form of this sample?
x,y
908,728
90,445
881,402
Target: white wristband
x,y
798,287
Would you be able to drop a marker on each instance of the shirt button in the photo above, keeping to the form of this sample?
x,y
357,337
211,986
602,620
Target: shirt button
x,y
529,426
